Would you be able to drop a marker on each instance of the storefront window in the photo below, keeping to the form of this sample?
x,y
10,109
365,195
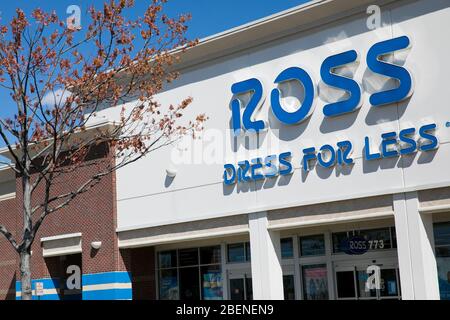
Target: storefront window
x,y
212,282
168,259
196,274
362,280
394,237
315,283
339,239
238,252
189,283
378,239
312,245
389,285
289,287
249,288
168,284
210,255
237,289
287,248
364,240
345,281
247,252
188,257
442,250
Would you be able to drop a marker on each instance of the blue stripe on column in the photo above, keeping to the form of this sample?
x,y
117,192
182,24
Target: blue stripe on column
x,y
49,283
48,297
109,294
106,277
88,279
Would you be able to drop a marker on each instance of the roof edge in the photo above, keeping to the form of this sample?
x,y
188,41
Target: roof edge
x,y
270,28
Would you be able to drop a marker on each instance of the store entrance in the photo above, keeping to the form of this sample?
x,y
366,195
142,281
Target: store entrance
x,y
351,277
240,285
67,269
72,277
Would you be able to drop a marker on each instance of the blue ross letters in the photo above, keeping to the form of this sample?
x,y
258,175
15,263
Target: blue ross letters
x,y
306,107
389,70
344,83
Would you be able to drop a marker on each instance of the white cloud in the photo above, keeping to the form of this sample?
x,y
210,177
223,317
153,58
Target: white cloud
x,y
57,97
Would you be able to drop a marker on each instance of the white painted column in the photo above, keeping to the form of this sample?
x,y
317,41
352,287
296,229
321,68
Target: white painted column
x,y
415,246
267,275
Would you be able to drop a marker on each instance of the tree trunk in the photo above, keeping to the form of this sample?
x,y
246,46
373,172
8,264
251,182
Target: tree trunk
x,y
25,274
25,251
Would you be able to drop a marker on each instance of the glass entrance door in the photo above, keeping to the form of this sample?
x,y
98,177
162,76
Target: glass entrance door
x,y
350,282
240,286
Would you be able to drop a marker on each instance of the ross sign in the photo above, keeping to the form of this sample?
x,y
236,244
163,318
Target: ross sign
x,y
387,145
393,144
354,245
375,63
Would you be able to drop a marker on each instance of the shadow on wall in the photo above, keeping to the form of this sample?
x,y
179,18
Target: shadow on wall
x,y
56,272
402,162
281,181
141,264
371,166
168,181
11,295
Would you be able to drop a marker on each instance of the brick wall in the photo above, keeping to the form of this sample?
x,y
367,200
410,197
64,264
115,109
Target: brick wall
x,y
142,266
8,256
94,215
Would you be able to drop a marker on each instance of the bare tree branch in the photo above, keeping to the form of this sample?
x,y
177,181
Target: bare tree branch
x,y
9,237
57,87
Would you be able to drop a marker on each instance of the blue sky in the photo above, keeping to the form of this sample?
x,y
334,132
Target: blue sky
x,y
208,17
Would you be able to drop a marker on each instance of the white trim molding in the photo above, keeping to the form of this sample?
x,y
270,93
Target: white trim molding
x,y
435,209
60,245
332,219
62,236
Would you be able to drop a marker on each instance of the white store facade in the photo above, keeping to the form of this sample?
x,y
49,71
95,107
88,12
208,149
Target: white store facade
x,y
252,211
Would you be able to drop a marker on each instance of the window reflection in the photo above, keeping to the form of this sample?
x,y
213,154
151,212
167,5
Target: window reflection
x,y
442,249
188,257
210,255
345,281
315,283
289,287
389,283
238,252
362,292
312,245
211,282
196,274
374,239
287,248
168,285
168,259
189,284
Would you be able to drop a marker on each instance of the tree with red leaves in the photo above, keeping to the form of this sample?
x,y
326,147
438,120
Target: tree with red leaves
x,y
84,71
